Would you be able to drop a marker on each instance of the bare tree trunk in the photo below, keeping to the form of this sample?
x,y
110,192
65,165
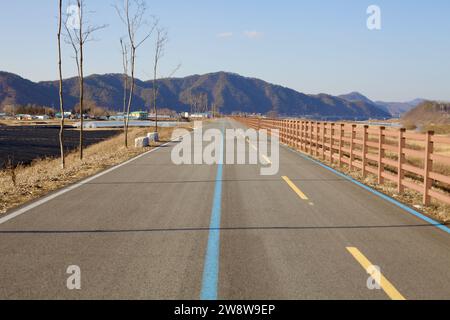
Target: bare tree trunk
x,y
133,22
125,98
80,7
155,92
77,38
125,80
130,100
61,97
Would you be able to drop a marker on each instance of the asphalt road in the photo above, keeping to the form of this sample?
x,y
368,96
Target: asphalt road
x,y
153,230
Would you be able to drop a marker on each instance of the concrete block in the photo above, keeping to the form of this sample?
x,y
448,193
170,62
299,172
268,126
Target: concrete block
x,y
142,142
153,137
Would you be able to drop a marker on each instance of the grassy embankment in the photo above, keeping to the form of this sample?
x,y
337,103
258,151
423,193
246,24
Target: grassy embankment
x,y
25,183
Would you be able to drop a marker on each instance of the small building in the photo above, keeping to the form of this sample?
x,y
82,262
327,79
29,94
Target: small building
x,y
67,115
24,117
139,115
42,117
206,115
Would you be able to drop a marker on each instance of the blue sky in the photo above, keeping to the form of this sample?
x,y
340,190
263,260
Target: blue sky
x,y
311,46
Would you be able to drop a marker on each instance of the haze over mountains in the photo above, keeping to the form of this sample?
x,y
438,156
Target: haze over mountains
x,y
228,91
395,109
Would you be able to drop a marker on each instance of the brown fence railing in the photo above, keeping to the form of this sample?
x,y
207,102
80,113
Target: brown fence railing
x,y
416,161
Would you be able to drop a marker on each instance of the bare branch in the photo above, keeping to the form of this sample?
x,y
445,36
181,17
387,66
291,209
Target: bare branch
x,y
132,13
175,70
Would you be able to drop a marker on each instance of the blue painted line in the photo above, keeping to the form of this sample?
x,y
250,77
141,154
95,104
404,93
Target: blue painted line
x,y
377,193
211,268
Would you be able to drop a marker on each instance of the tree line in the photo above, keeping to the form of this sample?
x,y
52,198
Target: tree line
x,y
30,108
139,27
89,108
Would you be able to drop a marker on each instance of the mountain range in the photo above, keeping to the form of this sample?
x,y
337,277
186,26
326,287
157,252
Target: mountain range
x,y
395,109
229,92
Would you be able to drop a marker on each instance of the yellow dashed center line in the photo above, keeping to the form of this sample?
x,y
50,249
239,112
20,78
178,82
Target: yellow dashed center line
x,y
295,188
266,159
380,279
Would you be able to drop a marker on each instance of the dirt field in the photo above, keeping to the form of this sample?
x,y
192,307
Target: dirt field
x,y
26,183
23,144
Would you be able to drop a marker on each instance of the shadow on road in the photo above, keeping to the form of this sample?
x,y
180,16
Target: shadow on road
x,y
214,181
205,229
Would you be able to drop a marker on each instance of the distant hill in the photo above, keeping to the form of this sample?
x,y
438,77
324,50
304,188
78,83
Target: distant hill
x,y
355,97
228,91
428,113
16,90
395,109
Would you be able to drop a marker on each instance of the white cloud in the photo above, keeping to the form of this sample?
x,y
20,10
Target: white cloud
x,y
253,34
225,35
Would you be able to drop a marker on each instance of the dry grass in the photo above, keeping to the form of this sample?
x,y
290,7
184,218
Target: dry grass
x,y
443,129
54,122
436,210
46,175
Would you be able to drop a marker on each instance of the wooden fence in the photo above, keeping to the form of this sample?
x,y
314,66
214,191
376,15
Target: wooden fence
x,y
408,159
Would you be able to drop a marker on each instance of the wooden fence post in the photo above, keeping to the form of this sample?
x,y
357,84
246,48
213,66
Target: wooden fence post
x,y
317,139
341,143
401,160
364,150
428,167
286,132
300,134
306,136
323,140
331,142
380,155
290,133
294,131
352,145
280,124
287,122
280,130
303,136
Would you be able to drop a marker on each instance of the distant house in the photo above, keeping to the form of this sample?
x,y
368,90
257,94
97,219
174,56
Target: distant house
x,y
160,116
206,115
139,115
42,117
24,117
66,115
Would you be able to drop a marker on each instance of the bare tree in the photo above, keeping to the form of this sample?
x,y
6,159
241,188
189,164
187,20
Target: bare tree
x,y
132,15
204,99
61,97
198,102
78,36
125,63
161,41
193,102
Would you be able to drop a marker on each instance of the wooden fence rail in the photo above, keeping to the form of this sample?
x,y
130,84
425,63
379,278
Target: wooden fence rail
x,y
405,158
